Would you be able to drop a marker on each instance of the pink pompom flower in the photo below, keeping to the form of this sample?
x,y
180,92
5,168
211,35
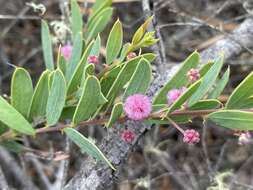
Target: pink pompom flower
x,y
193,74
131,55
191,136
245,138
138,107
174,94
66,51
128,136
93,59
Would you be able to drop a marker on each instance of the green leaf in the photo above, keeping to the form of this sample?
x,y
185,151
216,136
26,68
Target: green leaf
x,y
99,23
185,96
62,65
109,78
76,79
124,52
123,77
40,96
233,119
114,42
21,91
140,80
67,113
208,81
155,121
115,115
56,99
76,19
205,104
205,68
221,84
13,119
47,46
89,101
141,30
158,107
179,79
87,146
96,47
98,7
243,91
247,103
75,56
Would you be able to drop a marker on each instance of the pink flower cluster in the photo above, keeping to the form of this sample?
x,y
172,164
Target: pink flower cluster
x,y
137,107
174,94
245,138
193,74
66,51
128,136
191,136
93,59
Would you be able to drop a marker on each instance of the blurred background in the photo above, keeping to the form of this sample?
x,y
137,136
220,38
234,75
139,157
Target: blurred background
x,y
160,161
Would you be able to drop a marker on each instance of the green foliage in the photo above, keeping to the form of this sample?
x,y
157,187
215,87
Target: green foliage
x,y
179,79
114,42
205,104
47,46
13,119
40,97
56,99
140,80
81,92
21,91
87,146
242,93
89,101
98,22
117,111
77,76
185,96
219,87
75,56
208,81
233,119
76,19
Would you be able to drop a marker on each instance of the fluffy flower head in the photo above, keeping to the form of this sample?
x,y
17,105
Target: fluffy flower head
x,y
128,136
137,107
191,136
66,51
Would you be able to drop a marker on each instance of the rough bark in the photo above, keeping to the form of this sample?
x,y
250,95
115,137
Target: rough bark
x,y
94,175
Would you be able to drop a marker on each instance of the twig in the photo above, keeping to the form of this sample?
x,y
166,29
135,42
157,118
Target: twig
x,y
15,169
3,182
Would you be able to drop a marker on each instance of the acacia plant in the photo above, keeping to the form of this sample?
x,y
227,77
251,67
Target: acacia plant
x,y
74,91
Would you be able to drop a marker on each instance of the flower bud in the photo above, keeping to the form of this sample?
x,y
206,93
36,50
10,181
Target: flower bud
x,y
174,94
245,138
66,51
93,59
128,136
131,55
191,136
193,75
